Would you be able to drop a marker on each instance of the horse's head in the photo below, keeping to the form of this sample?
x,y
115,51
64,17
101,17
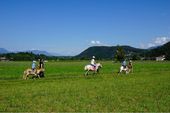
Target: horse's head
x,y
99,65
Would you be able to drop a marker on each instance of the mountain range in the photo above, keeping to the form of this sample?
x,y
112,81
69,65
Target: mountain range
x,y
4,51
107,52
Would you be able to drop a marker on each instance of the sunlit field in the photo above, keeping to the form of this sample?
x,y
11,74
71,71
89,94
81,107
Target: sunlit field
x,y
66,89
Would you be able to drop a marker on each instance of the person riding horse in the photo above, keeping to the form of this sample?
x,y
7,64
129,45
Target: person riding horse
x,y
41,63
124,63
33,65
130,66
93,62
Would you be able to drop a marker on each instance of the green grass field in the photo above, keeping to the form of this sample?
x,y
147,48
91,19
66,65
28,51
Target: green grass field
x,y
65,89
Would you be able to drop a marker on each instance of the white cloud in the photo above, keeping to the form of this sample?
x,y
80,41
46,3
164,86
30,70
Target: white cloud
x,y
98,42
142,45
161,40
95,42
150,45
156,42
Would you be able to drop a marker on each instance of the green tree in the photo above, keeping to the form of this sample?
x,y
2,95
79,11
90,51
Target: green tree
x,y
119,54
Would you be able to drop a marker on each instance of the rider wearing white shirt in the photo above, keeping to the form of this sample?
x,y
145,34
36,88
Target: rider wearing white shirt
x,y
93,62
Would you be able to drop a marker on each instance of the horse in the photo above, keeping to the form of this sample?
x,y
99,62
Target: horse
x,y
34,73
124,69
89,67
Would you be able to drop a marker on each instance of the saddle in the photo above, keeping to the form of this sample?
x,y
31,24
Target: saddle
x,y
33,72
124,67
93,67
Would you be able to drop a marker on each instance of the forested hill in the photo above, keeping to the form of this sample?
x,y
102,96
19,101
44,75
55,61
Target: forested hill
x,y
161,50
105,52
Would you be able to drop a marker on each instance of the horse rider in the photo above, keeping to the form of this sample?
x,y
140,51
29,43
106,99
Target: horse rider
x,y
33,65
130,66
41,63
93,62
124,63
130,62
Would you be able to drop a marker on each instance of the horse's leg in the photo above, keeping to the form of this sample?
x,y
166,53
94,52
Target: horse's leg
x,y
132,70
38,76
120,71
23,76
86,72
34,76
26,76
97,71
94,72
127,70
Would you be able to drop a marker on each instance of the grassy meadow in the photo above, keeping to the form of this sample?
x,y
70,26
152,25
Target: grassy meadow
x,y
65,89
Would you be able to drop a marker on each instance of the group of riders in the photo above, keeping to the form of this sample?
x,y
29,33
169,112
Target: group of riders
x,y
94,67
92,63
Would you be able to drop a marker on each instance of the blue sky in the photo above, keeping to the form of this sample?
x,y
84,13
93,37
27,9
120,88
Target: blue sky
x,y
68,27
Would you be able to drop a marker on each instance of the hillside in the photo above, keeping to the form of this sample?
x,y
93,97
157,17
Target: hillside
x,y
161,50
106,52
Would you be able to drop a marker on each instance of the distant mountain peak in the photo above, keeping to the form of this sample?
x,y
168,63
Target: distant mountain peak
x,y
3,51
37,52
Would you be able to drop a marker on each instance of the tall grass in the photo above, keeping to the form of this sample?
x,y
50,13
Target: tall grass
x,y
66,89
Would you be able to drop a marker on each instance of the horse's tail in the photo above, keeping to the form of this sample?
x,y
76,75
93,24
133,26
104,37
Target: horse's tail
x,y
24,74
85,68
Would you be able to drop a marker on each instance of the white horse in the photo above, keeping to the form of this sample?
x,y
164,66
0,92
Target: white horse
x,y
89,67
124,69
